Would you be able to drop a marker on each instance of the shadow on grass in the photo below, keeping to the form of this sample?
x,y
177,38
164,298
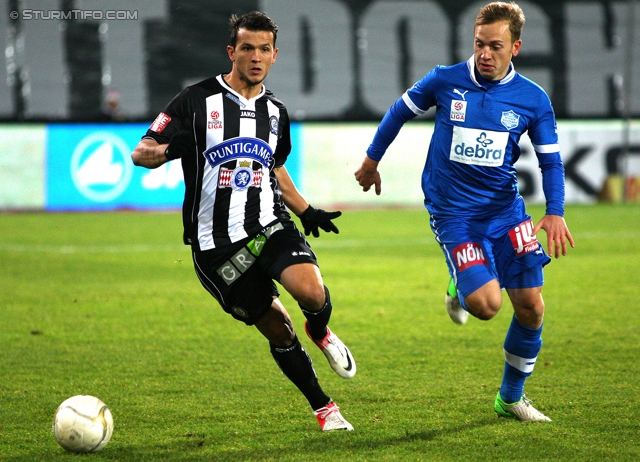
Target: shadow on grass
x,y
389,444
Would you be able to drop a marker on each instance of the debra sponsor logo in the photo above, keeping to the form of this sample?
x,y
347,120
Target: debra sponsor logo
x,y
481,150
468,254
478,147
523,239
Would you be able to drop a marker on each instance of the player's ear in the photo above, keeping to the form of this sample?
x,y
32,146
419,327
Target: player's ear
x,y
515,48
275,53
231,53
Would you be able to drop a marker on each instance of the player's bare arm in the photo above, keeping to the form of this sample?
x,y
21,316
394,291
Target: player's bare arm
x,y
148,153
557,234
290,194
368,175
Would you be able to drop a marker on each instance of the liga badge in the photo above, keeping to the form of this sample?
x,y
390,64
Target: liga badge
x,y
458,110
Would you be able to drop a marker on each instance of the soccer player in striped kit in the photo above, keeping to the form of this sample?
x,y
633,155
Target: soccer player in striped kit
x,y
469,181
233,137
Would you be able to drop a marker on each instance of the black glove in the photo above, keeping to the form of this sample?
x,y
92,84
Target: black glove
x,y
312,218
181,144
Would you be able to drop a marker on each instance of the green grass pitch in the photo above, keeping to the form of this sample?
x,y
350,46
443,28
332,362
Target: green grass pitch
x,y
108,304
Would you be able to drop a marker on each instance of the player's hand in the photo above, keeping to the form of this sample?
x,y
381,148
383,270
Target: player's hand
x,y
368,175
557,234
181,144
312,219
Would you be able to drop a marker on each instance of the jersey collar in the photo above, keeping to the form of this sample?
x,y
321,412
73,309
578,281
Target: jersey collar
x,y
224,83
471,66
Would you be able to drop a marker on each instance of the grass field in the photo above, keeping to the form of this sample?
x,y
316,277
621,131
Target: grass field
x,y
108,304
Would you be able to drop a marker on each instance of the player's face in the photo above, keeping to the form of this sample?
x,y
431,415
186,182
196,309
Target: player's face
x,y
493,49
253,55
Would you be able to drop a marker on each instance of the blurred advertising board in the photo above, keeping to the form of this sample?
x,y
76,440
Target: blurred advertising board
x,y
75,167
22,166
592,152
90,168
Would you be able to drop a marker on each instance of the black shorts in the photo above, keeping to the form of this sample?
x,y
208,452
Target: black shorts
x,y
241,276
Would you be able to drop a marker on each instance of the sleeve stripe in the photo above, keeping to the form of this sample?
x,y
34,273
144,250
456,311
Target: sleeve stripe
x,y
415,109
546,148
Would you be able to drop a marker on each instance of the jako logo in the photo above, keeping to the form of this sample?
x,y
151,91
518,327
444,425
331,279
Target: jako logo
x,y
468,254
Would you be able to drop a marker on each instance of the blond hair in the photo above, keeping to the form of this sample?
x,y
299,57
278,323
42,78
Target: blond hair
x,y
503,11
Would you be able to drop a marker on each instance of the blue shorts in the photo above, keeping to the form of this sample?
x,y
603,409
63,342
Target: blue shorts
x,y
478,251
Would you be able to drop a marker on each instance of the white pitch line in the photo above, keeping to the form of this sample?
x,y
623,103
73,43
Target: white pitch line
x,y
370,243
146,248
315,244
91,248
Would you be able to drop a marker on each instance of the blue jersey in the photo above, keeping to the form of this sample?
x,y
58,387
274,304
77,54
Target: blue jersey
x,y
469,171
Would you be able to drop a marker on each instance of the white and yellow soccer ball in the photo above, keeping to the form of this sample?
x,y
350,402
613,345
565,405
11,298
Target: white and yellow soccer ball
x,y
83,423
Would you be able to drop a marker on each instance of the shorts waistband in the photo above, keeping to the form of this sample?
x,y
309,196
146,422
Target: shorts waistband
x,y
242,260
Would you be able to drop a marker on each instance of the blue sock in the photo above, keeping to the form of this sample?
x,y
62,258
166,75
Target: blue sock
x,y
521,348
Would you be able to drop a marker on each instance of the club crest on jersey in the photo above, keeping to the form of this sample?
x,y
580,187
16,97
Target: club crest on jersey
x,y
458,110
241,178
510,119
467,255
523,239
273,125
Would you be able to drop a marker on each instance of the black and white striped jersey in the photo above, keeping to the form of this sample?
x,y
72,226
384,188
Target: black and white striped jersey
x,y
231,189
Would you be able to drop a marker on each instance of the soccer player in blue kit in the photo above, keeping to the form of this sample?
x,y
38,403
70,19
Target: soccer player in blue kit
x,y
478,216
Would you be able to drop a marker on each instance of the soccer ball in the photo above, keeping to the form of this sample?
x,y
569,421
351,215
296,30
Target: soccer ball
x,y
83,423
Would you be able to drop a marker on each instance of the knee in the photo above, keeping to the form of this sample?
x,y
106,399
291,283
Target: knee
x,y
530,314
304,282
312,298
528,306
484,307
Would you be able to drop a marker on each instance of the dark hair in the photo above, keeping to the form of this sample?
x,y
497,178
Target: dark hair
x,y
254,21
503,11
